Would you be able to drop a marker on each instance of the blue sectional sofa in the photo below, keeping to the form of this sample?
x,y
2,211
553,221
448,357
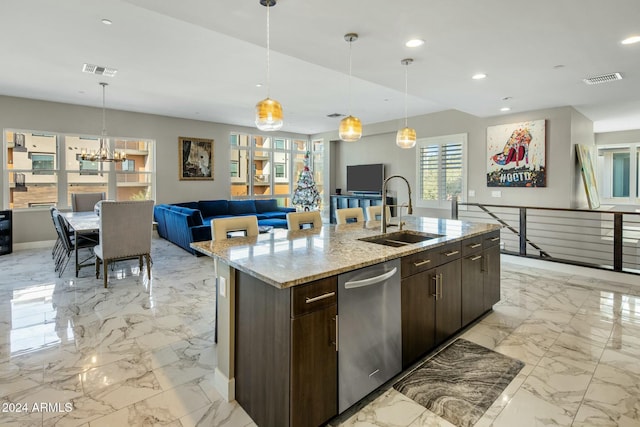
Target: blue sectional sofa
x,y
184,223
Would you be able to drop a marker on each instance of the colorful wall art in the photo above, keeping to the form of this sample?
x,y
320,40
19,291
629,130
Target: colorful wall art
x,y
516,155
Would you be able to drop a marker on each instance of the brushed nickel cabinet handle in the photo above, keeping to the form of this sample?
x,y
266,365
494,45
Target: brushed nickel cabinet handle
x,y
336,318
441,276
494,239
475,245
475,258
450,253
421,263
318,298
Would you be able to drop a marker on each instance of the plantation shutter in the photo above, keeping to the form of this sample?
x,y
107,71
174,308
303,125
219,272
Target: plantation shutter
x,y
440,168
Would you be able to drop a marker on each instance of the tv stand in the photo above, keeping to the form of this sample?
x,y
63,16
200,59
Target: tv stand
x,y
357,201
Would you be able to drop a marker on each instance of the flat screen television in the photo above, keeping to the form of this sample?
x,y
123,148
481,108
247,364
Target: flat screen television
x,y
365,178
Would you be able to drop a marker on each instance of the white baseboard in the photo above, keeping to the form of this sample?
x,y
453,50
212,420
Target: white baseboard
x,y
33,245
225,386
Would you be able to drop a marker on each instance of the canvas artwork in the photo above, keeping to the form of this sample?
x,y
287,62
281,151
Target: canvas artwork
x,y
516,155
588,175
196,158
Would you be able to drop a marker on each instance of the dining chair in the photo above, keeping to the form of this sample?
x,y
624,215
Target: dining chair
x,y
84,202
67,242
300,220
125,233
347,215
223,228
374,213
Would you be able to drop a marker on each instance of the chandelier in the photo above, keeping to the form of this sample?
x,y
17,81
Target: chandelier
x,y
268,111
103,154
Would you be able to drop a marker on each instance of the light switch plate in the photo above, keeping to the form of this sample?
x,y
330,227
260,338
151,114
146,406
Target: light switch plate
x,y
472,193
496,194
222,285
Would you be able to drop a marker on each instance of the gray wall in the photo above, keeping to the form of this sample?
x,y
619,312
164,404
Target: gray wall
x,y
20,113
564,127
622,137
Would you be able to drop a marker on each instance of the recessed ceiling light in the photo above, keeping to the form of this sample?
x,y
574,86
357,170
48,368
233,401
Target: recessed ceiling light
x,y
503,109
258,84
631,40
106,21
414,43
479,76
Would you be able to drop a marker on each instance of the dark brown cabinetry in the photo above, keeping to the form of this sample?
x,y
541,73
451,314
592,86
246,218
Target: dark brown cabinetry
x,y
431,300
480,275
286,359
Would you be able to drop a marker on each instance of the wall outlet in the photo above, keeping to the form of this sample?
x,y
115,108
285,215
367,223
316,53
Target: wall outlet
x,y
472,193
496,194
222,286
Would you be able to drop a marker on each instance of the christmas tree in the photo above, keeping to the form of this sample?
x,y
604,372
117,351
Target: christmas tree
x,y
306,194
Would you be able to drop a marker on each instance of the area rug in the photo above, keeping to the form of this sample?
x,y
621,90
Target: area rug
x,y
460,382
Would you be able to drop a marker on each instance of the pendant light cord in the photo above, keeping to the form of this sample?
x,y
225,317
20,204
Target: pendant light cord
x,y
406,90
268,50
104,114
349,88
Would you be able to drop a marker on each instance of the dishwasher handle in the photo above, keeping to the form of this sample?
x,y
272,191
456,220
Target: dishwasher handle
x,y
351,284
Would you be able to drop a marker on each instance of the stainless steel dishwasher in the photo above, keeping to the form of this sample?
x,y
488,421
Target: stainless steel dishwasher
x,y
369,330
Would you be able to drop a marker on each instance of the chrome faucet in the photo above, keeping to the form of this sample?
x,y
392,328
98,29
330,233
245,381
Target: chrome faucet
x,y
383,218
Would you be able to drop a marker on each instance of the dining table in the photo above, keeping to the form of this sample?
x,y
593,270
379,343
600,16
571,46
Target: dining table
x,y
85,225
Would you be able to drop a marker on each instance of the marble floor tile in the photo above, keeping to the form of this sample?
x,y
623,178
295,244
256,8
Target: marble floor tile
x,y
141,352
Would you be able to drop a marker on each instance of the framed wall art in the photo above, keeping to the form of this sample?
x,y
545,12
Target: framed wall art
x,y
516,155
195,158
588,175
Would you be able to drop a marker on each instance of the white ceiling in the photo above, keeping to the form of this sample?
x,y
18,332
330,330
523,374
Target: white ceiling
x,y
202,59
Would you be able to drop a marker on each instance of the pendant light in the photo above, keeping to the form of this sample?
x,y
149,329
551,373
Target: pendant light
x,y
350,127
268,111
103,154
406,137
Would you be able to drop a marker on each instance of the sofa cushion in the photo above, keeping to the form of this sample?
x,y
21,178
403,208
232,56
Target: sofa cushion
x,y
268,205
210,208
194,217
242,207
190,205
275,214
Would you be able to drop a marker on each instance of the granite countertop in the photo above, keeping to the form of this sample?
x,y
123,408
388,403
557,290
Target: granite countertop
x,y
288,258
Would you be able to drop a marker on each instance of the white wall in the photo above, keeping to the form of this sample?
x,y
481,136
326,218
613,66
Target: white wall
x,y
20,113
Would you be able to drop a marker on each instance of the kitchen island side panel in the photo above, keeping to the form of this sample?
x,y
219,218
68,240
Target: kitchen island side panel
x,y
262,353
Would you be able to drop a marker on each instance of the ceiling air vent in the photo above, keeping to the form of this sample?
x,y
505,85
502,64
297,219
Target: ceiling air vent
x,y
334,115
605,78
99,70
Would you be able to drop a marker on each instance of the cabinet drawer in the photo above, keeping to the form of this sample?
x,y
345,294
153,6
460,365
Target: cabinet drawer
x,y
491,239
313,296
472,244
422,261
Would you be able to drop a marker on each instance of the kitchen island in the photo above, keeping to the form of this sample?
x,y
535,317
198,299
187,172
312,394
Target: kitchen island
x,y
278,308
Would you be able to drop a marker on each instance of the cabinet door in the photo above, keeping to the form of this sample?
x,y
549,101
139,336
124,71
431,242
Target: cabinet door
x,y
418,316
314,368
491,276
449,302
472,288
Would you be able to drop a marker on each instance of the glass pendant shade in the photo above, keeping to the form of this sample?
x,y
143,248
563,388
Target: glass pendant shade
x,y
406,138
350,129
269,115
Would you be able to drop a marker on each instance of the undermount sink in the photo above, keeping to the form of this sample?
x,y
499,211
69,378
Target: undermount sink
x,y
400,238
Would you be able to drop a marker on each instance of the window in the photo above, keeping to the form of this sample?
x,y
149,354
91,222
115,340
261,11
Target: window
x,y
617,173
43,169
441,170
42,164
262,166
